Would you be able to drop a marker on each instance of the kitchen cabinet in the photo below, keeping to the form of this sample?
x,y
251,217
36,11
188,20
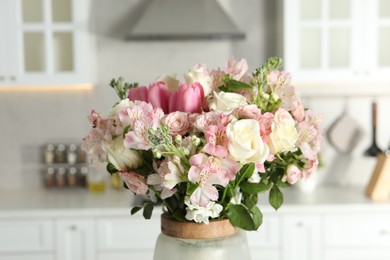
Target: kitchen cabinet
x,y
44,42
302,237
328,224
75,239
342,42
22,237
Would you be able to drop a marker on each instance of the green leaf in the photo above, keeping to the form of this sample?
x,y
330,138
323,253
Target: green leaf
x,y
125,130
148,210
191,187
283,184
275,197
232,85
250,200
254,188
246,171
111,168
135,210
257,217
240,217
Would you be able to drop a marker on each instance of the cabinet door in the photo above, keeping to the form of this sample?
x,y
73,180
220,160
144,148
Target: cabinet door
x,y
377,40
302,237
75,239
127,255
47,42
358,254
27,256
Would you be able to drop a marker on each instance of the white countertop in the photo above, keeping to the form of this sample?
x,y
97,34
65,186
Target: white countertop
x,y
80,202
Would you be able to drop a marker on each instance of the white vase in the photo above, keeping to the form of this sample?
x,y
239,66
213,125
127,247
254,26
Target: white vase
x,y
218,240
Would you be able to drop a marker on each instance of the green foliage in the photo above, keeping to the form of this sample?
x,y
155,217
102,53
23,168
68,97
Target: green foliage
x,y
275,197
122,88
231,85
244,218
148,209
111,168
254,188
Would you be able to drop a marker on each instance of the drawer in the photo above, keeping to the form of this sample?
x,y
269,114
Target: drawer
x,y
267,236
26,235
357,230
127,233
27,256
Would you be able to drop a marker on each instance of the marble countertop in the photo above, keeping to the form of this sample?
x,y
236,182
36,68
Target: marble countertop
x,y
112,202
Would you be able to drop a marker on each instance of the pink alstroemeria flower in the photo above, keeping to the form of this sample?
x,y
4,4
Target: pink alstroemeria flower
x,y
207,172
216,141
135,182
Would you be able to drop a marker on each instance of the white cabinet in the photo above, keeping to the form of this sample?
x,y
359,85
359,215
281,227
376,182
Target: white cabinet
x,y
301,237
75,239
114,234
339,41
44,42
22,238
357,236
264,243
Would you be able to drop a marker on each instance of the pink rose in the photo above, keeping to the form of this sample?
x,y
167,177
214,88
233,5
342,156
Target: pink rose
x,y
188,98
177,122
293,173
159,95
135,182
140,93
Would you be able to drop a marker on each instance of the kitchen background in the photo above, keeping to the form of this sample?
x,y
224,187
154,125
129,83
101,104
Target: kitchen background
x,y
29,119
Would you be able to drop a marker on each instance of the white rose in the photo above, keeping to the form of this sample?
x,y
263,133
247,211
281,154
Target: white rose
x,y
245,143
199,74
121,157
227,101
284,134
125,103
170,80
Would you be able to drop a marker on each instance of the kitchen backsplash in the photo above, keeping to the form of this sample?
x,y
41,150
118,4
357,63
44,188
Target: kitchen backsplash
x,y
31,119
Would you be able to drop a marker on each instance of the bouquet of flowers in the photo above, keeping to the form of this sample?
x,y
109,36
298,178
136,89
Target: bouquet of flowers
x,y
207,146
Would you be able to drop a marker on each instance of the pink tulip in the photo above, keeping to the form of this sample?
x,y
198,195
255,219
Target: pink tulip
x,y
188,98
159,95
140,93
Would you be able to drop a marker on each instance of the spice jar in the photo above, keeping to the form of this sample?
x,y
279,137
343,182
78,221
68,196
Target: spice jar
x,y
71,154
72,177
49,155
83,176
60,154
60,177
49,177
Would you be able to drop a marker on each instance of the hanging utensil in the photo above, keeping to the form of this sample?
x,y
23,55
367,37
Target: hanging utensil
x,y
344,134
373,150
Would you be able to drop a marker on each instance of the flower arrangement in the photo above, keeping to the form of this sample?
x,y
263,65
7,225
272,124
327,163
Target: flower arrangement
x,y
206,147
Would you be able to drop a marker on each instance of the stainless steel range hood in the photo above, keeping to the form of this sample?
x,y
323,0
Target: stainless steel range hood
x,y
170,20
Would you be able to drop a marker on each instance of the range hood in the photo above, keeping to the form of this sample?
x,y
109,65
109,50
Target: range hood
x,y
170,20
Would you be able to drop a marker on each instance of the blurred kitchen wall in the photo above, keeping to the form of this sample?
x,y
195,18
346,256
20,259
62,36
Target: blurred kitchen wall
x,y
30,119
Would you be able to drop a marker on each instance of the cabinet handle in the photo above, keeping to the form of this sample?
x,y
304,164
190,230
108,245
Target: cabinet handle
x,y
299,224
73,227
12,78
384,232
1,78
